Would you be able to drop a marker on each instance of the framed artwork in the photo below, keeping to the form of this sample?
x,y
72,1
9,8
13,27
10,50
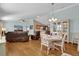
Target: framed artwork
x,y
18,27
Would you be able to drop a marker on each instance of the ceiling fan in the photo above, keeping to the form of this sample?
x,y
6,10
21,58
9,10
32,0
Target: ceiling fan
x,y
22,20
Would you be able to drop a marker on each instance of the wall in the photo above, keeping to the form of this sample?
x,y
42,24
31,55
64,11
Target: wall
x,y
73,15
9,25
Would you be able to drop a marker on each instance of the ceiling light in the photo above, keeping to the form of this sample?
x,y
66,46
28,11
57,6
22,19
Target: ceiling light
x,y
3,29
6,18
54,19
50,20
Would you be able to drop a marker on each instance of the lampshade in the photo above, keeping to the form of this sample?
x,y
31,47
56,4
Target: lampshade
x,y
3,29
54,19
50,20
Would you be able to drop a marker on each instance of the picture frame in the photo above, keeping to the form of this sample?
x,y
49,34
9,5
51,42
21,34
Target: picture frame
x,y
18,28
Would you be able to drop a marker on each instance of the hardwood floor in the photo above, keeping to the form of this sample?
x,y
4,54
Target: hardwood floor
x,y
32,48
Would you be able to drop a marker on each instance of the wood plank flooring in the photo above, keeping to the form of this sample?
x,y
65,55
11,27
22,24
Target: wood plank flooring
x,y
32,48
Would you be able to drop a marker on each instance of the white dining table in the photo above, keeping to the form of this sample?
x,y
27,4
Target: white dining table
x,y
53,38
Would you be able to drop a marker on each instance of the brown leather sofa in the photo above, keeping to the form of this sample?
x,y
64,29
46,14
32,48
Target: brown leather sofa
x,y
17,37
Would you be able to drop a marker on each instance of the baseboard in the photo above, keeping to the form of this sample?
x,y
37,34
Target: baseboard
x,y
71,43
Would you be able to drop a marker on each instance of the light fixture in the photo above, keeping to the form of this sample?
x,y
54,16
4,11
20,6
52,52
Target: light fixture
x,y
3,29
21,19
6,18
50,20
53,20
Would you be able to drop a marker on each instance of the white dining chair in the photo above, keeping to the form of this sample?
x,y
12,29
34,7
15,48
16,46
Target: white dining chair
x,y
45,42
60,42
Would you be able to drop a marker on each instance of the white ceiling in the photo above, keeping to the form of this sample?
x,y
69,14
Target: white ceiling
x,y
57,6
29,9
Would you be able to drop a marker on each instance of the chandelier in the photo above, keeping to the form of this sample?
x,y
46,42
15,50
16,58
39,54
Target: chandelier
x,y
53,20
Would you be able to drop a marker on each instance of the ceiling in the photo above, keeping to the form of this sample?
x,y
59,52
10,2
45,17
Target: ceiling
x,y
26,9
15,10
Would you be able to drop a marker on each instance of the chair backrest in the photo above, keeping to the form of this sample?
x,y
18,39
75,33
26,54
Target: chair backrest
x,y
43,37
64,37
44,41
42,33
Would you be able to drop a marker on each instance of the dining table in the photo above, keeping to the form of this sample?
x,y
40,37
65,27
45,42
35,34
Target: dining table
x,y
53,38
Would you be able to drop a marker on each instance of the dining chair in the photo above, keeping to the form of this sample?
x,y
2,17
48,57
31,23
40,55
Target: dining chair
x,y
45,42
60,42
